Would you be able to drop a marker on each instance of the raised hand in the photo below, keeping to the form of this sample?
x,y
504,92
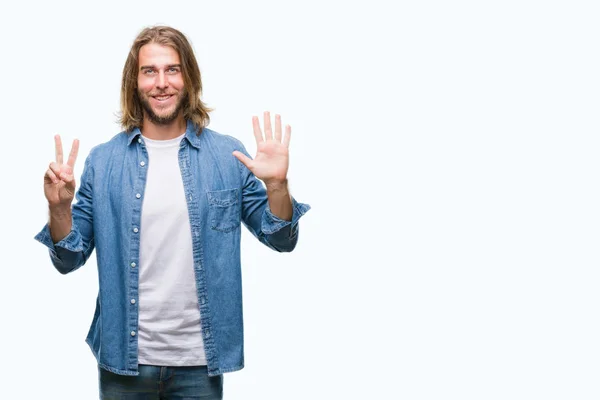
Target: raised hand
x,y
59,182
272,152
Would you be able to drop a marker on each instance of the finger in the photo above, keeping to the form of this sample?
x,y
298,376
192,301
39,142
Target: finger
x,y
278,127
55,167
67,177
73,154
257,132
267,124
288,136
243,159
58,149
50,176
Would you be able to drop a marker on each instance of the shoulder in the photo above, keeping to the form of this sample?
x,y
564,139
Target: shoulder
x,y
220,140
115,145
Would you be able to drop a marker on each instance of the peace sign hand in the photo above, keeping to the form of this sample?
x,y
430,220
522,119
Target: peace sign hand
x,y
59,182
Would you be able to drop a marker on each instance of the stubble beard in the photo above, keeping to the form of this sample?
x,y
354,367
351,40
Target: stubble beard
x,y
161,119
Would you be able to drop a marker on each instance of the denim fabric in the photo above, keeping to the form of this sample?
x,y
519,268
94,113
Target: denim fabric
x,y
158,383
221,193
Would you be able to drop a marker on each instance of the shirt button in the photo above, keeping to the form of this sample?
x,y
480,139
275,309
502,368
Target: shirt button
x,y
139,140
136,230
137,196
133,265
132,333
142,163
132,301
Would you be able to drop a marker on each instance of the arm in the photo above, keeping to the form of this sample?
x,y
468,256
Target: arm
x,y
69,232
60,223
270,213
280,200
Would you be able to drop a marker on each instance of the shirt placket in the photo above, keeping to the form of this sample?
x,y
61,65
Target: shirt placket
x,y
141,169
191,193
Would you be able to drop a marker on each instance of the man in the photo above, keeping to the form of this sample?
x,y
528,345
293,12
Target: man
x,y
162,203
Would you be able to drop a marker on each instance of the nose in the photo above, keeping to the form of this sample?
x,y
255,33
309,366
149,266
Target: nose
x,y
161,80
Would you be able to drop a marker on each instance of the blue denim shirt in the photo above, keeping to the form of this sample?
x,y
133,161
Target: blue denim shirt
x,y
220,193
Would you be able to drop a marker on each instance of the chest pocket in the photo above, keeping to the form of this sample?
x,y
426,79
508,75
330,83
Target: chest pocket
x,y
224,211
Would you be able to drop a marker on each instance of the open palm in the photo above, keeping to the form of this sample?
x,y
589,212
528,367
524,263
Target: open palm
x,y
272,151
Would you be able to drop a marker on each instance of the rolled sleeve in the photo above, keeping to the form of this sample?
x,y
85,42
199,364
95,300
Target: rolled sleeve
x,y
65,253
72,242
271,223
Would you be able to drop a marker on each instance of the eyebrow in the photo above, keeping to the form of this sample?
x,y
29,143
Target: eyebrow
x,y
143,67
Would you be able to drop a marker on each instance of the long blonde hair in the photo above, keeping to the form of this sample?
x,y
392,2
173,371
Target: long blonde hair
x,y
195,110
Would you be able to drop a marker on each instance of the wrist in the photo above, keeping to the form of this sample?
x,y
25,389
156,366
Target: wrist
x,y
60,211
277,185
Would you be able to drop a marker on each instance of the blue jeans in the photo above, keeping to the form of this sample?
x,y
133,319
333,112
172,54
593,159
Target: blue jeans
x,y
161,383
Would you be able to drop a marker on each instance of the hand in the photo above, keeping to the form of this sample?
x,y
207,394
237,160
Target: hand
x,y
59,183
272,155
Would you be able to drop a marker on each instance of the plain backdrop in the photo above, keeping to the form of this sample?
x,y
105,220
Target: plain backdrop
x,y
449,151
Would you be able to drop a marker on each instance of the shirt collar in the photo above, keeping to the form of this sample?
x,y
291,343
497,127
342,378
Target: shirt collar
x,y
191,134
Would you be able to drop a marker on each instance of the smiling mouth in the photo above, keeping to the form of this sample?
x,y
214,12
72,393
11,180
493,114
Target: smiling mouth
x,y
163,97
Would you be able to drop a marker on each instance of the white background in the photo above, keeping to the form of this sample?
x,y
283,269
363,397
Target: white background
x,y
449,151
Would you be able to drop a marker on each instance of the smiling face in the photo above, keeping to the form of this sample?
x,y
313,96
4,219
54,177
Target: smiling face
x,y
160,85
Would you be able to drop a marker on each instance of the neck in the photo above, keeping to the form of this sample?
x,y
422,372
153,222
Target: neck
x,y
163,132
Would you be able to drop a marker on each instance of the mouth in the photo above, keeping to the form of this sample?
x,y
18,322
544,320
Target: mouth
x,y
163,97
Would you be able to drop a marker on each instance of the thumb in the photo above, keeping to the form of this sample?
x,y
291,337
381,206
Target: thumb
x,y
243,159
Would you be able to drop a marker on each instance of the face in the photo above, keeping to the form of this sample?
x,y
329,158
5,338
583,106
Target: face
x,y
160,83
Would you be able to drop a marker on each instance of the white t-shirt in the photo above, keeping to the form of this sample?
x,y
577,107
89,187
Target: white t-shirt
x,y
169,318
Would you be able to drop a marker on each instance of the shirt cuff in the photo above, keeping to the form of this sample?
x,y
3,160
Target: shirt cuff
x,y
71,242
271,223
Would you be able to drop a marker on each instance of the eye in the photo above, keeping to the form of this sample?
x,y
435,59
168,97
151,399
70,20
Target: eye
x,y
173,70
148,71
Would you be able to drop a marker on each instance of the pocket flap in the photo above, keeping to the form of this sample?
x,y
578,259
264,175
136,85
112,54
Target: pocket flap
x,y
223,198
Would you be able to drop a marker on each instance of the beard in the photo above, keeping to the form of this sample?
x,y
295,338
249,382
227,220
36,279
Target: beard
x,y
164,119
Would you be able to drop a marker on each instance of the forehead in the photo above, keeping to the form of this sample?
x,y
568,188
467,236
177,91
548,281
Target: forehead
x,y
157,55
